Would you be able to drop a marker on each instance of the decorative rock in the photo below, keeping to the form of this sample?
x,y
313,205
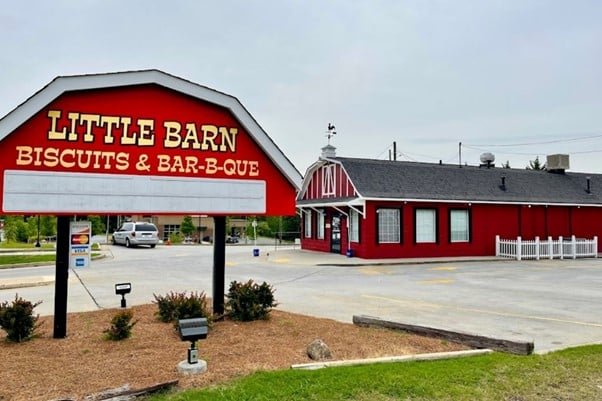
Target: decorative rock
x,y
318,350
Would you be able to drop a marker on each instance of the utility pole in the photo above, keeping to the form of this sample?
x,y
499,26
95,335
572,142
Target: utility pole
x,y
394,151
460,154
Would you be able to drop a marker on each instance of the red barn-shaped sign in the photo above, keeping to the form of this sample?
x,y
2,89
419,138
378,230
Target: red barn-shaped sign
x,y
141,142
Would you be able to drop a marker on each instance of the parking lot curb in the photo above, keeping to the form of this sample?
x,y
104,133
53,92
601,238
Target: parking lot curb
x,y
396,262
26,283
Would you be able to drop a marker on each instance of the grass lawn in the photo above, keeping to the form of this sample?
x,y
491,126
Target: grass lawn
x,y
23,245
574,374
15,259
7,260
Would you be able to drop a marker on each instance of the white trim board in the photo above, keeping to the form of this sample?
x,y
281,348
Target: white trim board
x,y
54,192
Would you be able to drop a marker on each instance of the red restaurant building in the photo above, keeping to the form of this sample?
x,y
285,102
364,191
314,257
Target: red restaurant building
x,y
394,209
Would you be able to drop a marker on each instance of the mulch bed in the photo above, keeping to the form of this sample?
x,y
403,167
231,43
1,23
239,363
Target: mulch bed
x,y
84,363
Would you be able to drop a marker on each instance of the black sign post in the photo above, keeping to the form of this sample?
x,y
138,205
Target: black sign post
x,y
62,277
219,264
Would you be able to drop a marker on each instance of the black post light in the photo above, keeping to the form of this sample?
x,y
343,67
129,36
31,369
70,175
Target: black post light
x,y
122,289
193,330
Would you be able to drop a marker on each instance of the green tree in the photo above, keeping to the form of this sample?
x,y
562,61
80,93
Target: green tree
x,y
263,227
31,227
291,227
187,227
98,225
536,164
10,229
15,229
48,226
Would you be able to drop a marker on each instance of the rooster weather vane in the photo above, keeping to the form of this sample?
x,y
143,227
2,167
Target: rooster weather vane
x,y
330,132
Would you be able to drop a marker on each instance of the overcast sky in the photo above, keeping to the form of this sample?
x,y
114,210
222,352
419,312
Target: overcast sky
x,y
426,74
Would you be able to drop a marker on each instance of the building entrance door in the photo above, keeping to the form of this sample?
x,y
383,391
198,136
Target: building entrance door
x,y
335,234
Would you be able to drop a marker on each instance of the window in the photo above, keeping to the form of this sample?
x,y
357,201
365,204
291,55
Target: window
x,y
307,224
169,229
459,226
145,227
389,226
354,226
320,225
426,225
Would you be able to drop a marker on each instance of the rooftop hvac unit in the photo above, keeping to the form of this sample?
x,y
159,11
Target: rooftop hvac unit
x,y
557,162
487,158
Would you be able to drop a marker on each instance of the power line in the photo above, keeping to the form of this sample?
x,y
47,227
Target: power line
x,y
532,153
381,153
581,138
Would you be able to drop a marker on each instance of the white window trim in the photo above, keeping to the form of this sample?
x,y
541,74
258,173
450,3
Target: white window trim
x,y
378,211
307,224
320,225
354,229
434,226
467,226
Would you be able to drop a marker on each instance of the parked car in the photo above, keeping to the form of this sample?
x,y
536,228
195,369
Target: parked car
x,y
232,239
136,233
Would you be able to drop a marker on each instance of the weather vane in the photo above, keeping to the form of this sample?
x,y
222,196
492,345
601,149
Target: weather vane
x,y
331,132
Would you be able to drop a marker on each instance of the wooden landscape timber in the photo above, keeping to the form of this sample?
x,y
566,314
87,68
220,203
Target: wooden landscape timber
x,y
471,340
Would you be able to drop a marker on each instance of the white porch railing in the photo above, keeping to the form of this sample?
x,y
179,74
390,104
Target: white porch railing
x,y
562,248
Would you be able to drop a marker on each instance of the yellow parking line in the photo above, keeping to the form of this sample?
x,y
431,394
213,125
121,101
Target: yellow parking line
x,y
375,270
438,281
281,260
508,314
370,272
231,264
443,268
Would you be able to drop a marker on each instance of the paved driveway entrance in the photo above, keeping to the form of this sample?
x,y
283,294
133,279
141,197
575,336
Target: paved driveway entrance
x,y
556,303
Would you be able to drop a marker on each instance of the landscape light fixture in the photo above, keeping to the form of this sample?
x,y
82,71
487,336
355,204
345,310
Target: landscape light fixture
x,y
122,289
193,330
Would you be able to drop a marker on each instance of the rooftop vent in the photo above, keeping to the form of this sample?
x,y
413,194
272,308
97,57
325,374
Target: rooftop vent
x,y
557,163
487,160
329,151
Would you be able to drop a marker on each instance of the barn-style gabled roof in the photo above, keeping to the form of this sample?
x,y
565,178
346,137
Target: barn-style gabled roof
x,y
397,180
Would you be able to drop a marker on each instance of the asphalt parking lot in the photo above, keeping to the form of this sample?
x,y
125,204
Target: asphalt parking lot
x,y
555,303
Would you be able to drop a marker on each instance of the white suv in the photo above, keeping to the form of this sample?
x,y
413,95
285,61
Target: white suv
x,y
133,234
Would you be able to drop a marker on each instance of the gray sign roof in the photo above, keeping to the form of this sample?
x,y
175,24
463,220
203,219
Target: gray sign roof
x,y
412,180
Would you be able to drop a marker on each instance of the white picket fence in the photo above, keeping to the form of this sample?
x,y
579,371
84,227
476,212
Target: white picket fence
x,y
562,248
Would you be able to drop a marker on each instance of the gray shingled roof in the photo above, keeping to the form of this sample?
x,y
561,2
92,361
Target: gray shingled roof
x,y
412,180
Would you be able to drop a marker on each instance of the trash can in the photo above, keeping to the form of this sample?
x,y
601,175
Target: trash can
x,y
349,253
256,252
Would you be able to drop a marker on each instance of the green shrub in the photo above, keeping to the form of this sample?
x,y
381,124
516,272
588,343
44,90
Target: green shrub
x,y
121,326
250,301
17,319
180,305
176,238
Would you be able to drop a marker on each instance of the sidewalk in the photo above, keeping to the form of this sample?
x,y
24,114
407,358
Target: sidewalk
x,y
305,257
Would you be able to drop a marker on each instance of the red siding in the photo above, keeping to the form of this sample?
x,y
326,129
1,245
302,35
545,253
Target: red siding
x,y
486,221
342,185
